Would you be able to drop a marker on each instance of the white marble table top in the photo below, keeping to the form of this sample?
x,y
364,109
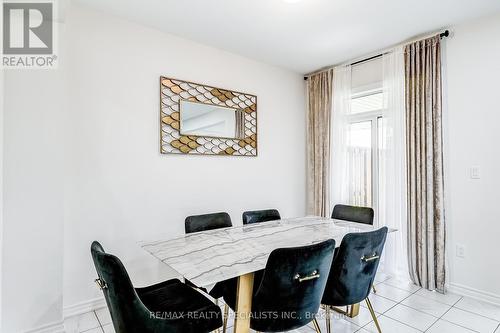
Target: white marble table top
x,y
208,257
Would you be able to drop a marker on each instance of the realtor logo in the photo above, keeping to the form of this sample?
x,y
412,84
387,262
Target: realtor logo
x,y
28,35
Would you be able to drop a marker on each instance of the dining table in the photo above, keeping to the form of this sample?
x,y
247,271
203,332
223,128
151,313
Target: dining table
x,y
207,257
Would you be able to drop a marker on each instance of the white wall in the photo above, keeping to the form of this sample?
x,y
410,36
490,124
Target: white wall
x,y
119,189
81,160
472,135
2,100
33,199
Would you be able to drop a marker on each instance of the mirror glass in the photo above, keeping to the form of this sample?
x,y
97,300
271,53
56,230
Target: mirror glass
x,y
202,119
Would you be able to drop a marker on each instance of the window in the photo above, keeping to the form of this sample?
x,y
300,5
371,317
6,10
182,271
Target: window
x,y
368,150
368,101
359,157
365,133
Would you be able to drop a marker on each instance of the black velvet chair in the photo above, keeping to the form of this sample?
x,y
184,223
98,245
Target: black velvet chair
x,y
257,216
170,306
357,214
353,213
353,271
287,294
204,222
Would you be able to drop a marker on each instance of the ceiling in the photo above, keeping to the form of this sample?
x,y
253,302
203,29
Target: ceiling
x,y
302,36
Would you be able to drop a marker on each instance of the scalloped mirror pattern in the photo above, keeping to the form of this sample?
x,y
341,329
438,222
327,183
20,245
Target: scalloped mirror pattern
x,y
198,119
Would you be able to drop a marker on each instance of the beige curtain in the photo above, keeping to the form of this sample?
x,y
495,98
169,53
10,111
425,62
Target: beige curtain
x,y
319,109
424,149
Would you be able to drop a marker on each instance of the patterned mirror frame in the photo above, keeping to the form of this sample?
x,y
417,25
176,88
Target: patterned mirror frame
x,y
172,91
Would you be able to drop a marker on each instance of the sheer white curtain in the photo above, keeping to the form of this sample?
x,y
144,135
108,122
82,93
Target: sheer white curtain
x,y
387,152
341,108
392,164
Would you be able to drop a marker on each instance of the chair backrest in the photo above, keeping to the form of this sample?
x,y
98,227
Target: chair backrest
x,y
292,286
353,213
125,307
257,216
354,268
207,222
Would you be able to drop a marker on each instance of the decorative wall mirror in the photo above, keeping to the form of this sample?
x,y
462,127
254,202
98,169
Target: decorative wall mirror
x,y
204,120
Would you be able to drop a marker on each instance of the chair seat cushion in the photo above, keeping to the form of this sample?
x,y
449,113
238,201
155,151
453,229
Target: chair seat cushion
x,y
174,298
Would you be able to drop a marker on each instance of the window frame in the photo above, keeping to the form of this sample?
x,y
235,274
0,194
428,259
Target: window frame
x,y
373,117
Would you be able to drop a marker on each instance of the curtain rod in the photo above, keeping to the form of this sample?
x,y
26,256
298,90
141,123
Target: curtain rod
x,y
444,34
367,59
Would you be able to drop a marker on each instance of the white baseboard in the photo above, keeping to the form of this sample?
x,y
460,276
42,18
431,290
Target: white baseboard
x,y
474,293
84,307
57,327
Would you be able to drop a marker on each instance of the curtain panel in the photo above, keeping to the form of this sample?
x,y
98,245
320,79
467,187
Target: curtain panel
x,y
424,154
392,165
319,109
341,105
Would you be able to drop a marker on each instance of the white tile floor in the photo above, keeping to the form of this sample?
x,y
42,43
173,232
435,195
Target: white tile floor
x,y
400,306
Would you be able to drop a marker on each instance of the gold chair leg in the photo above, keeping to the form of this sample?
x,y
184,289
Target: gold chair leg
x,y
370,307
374,290
316,325
353,310
327,319
226,314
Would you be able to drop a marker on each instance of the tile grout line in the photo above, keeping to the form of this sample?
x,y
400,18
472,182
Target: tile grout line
x,y
358,327
470,329
433,317
470,312
408,291
93,328
474,313
411,294
401,303
397,303
440,318
399,321
341,317
425,313
98,321
461,297
452,307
